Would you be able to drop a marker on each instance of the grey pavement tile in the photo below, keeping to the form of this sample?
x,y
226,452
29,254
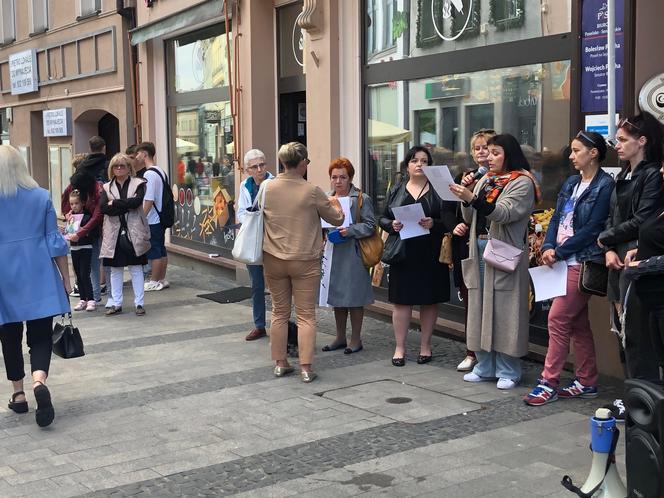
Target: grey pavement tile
x,y
41,473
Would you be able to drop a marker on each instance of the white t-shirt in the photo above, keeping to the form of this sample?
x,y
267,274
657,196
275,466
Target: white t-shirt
x,y
566,226
153,192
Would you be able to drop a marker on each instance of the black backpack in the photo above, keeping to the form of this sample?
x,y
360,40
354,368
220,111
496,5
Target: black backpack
x,y
167,213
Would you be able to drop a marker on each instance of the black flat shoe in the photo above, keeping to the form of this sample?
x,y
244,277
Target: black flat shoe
x,y
399,362
331,347
423,359
353,350
18,406
45,413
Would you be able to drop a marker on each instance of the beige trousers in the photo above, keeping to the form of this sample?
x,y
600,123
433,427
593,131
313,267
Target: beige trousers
x,y
299,281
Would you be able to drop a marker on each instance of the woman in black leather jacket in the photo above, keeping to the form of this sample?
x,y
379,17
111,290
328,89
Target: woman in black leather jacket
x,y
637,196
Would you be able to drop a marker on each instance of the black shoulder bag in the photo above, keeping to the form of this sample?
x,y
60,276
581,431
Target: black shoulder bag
x,y
67,341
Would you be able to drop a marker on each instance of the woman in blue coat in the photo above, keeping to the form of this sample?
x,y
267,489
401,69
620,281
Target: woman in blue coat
x,y
34,281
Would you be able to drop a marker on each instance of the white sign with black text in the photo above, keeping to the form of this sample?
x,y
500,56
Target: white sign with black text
x,y
23,72
57,122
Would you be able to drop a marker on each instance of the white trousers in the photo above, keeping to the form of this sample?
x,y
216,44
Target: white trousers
x,y
137,282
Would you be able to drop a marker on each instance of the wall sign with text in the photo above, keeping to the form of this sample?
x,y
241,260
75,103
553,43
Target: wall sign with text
x,y
23,72
57,122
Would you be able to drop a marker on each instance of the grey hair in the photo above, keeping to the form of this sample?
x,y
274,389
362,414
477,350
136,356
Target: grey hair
x,y
13,172
253,154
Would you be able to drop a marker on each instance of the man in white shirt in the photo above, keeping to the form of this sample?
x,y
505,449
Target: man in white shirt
x,y
152,205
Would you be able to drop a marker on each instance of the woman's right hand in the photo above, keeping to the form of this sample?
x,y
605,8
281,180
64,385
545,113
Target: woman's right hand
x,y
468,180
397,225
629,257
613,261
549,257
460,230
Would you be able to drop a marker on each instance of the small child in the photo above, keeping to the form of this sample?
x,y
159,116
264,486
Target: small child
x,y
81,251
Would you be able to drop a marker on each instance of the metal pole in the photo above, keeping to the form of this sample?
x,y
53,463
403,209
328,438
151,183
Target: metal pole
x,y
611,65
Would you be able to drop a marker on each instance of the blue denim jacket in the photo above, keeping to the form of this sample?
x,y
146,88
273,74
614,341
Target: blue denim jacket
x,y
590,214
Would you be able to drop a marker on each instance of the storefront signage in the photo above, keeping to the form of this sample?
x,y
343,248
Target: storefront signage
x,y
452,9
457,87
23,72
651,97
57,122
594,91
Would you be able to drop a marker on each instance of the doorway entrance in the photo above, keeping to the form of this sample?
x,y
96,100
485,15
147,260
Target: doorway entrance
x,y
293,117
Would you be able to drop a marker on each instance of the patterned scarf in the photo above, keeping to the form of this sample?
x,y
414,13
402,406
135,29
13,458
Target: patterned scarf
x,y
496,184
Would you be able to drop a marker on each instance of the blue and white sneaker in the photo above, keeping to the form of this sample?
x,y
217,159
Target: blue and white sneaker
x,y
578,390
541,394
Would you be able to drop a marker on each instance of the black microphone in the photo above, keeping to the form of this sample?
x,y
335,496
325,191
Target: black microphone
x,y
481,171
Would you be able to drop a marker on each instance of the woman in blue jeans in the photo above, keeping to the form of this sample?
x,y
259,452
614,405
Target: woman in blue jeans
x,y
255,167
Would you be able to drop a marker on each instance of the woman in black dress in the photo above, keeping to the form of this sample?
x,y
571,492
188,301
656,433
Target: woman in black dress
x,y
419,279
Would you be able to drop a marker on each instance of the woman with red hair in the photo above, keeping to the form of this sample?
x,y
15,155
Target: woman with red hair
x,y
349,289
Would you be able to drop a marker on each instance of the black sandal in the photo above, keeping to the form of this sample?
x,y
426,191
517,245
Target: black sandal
x,y
399,362
18,406
424,359
45,413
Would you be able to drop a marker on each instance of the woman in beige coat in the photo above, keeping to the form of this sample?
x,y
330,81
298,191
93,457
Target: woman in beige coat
x,y
292,246
499,207
126,235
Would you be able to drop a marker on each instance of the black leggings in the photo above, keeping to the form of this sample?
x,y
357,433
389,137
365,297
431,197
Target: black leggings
x,y
40,342
81,260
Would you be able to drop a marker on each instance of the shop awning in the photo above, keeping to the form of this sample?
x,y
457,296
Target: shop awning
x,y
175,22
381,133
185,146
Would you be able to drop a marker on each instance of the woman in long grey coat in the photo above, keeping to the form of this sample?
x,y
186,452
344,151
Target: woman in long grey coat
x,y
349,289
499,208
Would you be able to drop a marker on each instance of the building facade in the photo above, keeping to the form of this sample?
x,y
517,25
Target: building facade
x,y
367,79
65,75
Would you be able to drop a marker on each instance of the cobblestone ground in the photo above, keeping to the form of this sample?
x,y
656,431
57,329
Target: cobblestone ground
x,y
177,403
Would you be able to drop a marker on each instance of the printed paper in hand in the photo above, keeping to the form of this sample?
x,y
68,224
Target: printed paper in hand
x,y
73,224
348,217
549,282
441,178
326,267
410,216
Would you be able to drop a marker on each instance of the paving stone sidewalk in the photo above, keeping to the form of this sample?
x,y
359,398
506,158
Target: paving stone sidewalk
x,y
177,403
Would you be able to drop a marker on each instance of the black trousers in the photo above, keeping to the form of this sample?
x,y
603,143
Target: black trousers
x,y
640,360
81,260
40,344
653,307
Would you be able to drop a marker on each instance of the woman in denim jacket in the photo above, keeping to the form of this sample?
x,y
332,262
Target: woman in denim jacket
x,y
581,212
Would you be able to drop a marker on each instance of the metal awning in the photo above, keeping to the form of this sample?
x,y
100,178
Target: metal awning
x,y
180,20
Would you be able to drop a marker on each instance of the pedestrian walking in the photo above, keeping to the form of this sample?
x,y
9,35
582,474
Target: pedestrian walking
x,y
126,236
479,151
498,319
96,162
33,284
418,278
291,255
637,196
255,167
81,249
349,289
580,215
157,181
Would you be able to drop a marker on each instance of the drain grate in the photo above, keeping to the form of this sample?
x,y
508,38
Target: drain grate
x,y
398,400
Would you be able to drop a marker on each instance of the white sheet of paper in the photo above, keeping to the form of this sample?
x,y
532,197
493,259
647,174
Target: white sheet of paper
x,y
441,178
549,282
410,216
348,217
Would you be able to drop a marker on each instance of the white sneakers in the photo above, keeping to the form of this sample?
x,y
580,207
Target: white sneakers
x,y
503,384
466,364
156,286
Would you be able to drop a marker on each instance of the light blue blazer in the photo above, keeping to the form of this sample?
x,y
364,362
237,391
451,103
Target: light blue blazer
x,y
30,284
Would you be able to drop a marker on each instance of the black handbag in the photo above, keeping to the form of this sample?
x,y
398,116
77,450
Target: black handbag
x,y
124,240
394,251
593,278
67,341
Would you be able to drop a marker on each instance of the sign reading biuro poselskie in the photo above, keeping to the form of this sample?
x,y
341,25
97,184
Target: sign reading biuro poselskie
x,y
23,72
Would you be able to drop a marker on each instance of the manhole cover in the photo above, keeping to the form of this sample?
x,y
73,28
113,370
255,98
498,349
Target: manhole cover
x,y
399,400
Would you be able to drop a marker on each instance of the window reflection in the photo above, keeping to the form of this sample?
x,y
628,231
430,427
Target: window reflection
x,y
201,62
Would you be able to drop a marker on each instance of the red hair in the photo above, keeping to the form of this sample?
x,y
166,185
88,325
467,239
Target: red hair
x,y
342,163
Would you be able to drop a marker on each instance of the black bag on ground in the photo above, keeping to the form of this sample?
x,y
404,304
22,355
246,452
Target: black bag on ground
x,y
67,341
167,213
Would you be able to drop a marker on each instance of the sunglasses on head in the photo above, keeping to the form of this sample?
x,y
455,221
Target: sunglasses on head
x,y
482,131
585,136
624,122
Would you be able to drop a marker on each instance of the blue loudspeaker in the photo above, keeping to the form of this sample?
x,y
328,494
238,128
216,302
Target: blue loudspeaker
x,y
644,402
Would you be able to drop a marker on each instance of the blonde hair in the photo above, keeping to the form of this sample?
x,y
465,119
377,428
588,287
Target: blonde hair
x,y
14,172
121,158
292,154
483,134
78,159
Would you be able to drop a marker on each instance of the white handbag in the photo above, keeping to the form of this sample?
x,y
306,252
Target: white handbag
x,y
248,246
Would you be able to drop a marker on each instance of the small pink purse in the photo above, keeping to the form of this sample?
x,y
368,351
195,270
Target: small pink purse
x,y
502,255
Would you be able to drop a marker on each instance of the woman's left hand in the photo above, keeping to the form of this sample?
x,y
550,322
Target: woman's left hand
x,y
426,223
343,232
461,192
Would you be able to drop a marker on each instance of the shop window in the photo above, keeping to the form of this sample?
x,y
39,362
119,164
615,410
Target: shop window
x,y
507,14
7,22
87,8
425,124
38,12
384,23
201,141
426,32
59,173
4,128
